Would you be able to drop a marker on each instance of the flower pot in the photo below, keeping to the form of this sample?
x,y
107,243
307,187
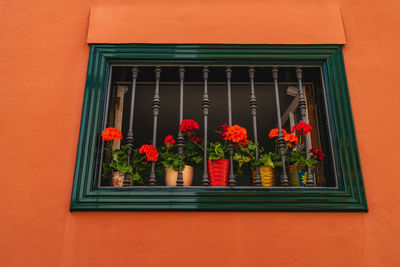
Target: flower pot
x,y
118,179
218,171
267,175
298,175
171,176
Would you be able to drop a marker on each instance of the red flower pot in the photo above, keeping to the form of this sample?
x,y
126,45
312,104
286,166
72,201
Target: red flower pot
x,y
218,171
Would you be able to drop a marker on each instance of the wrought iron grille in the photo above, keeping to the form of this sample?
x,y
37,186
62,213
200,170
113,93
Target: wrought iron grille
x,y
224,77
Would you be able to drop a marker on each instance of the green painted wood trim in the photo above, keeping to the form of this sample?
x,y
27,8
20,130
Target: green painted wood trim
x,y
349,196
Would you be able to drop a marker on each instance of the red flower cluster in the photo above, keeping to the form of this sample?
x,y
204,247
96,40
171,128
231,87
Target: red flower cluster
x,y
222,132
169,141
301,128
317,154
195,139
150,151
188,125
236,134
291,138
275,133
111,134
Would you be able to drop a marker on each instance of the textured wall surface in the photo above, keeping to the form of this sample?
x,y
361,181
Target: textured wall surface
x,y
44,56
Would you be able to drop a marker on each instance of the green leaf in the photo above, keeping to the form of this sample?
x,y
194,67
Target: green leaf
x,y
136,177
217,151
265,160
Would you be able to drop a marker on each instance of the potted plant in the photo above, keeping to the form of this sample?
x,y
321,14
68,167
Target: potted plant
x,y
267,164
246,162
191,157
218,153
218,164
270,163
299,162
118,165
245,157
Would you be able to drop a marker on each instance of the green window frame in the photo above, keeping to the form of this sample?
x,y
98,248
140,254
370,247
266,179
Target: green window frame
x,y
349,195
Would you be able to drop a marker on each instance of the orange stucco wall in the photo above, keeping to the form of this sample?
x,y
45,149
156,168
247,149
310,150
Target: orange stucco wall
x,y
273,22
43,60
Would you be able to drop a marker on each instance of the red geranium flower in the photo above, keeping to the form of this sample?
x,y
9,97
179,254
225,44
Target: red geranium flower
x,y
275,133
188,125
222,132
111,134
291,138
195,139
317,154
150,151
169,141
236,134
301,128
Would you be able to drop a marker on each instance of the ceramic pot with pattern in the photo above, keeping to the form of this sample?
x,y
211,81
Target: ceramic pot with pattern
x,y
298,175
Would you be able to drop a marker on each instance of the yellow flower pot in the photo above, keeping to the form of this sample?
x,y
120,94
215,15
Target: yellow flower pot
x,y
267,175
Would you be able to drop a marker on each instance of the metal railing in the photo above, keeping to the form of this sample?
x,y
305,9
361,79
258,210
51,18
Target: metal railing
x,y
229,71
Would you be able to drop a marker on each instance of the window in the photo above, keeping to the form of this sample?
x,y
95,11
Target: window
x,y
338,182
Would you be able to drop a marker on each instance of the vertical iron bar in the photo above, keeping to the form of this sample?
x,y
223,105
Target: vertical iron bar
x,y
253,109
303,111
281,142
231,180
206,106
156,110
180,140
129,137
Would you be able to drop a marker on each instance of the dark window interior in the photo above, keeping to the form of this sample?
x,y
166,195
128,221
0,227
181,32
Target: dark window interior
x,y
168,120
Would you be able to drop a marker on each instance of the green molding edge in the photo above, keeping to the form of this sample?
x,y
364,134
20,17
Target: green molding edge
x,y
348,197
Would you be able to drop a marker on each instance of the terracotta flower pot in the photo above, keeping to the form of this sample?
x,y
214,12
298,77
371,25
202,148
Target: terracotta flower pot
x,y
171,176
218,171
267,175
118,179
298,175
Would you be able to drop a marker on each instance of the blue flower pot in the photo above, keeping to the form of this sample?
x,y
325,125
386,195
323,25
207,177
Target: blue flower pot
x,y
298,175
